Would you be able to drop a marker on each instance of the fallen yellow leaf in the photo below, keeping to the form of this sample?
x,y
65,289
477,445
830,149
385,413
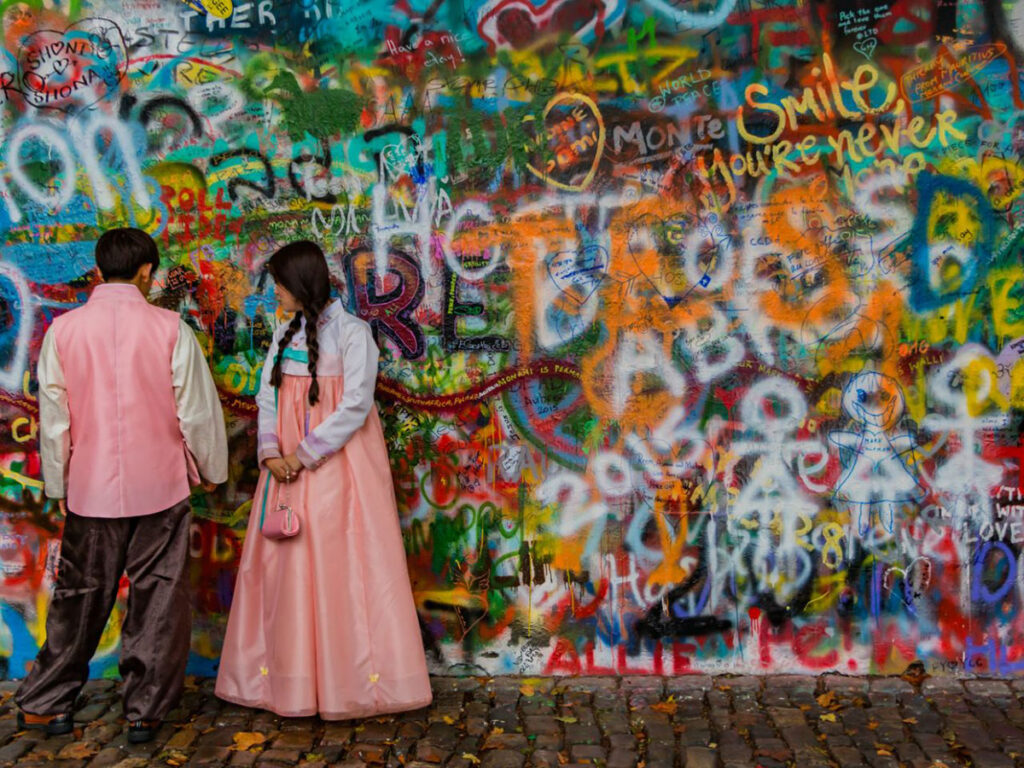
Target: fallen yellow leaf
x,y
566,719
248,739
884,752
449,719
872,725
78,751
527,690
472,758
828,718
668,707
827,699
130,762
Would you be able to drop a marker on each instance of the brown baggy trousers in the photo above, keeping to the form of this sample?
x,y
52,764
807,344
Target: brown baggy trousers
x,y
157,628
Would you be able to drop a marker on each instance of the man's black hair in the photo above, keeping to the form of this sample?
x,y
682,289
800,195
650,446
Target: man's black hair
x,y
121,252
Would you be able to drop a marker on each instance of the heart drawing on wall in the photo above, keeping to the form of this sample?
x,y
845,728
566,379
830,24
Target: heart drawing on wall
x,y
73,68
569,145
577,274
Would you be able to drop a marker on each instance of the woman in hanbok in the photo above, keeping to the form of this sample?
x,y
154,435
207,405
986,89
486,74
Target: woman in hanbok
x,y
322,621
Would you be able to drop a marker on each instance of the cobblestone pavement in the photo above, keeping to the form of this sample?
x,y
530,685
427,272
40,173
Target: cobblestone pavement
x,y
641,722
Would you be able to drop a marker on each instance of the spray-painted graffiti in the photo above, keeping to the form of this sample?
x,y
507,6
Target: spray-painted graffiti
x,y
702,324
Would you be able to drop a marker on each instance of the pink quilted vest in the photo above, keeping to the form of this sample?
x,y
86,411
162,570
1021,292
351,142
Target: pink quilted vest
x,y
127,451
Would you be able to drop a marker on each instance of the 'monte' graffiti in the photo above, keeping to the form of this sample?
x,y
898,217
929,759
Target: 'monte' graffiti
x,y
701,323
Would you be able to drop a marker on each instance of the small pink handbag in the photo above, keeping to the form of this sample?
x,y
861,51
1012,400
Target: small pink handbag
x,y
282,522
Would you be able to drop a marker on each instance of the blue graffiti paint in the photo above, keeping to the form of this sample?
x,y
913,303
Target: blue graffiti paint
x,y
923,295
1003,568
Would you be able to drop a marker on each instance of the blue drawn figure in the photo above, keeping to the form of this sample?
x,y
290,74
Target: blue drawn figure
x,y
877,477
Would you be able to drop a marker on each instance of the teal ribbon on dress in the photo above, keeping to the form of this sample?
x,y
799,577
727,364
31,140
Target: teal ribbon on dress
x,y
298,355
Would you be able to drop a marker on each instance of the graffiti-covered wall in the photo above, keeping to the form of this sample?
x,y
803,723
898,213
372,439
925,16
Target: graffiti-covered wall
x,y
701,321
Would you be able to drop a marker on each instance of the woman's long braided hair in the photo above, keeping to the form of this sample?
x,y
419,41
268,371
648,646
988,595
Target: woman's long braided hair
x,y
302,269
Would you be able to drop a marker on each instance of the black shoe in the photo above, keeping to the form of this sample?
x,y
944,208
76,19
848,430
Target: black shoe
x,y
53,725
141,731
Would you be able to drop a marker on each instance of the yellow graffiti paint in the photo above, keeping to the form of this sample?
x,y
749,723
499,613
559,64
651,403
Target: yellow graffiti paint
x,y
1007,299
946,324
18,433
221,9
20,479
25,392
981,387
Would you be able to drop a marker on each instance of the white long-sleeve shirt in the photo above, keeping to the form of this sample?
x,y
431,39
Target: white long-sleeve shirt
x,y
347,349
196,400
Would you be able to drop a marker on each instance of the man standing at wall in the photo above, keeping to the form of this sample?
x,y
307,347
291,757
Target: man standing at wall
x,y
129,415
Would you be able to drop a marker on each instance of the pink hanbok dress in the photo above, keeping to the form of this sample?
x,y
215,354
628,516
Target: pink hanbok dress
x,y
325,622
